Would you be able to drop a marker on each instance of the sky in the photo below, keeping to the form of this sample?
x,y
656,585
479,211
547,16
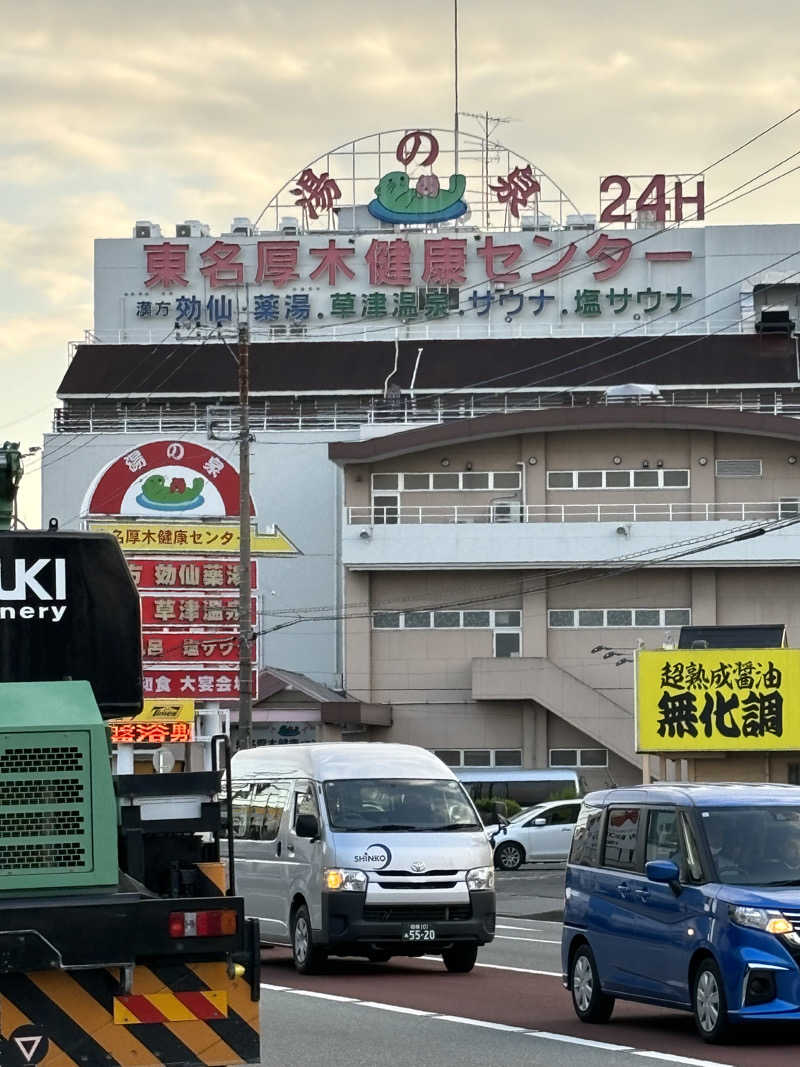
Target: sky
x,y
114,112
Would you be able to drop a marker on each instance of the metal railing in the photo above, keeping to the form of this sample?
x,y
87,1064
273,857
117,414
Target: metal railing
x,y
510,512
331,414
434,330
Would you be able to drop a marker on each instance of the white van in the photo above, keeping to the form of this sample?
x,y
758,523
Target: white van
x,y
362,849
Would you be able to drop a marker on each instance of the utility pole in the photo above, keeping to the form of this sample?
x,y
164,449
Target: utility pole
x,y
455,83
245,732
10,475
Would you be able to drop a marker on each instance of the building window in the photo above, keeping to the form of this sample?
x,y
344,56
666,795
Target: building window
x,y
617,479
480,757
463,481
447,620
617,618
507,643
578,757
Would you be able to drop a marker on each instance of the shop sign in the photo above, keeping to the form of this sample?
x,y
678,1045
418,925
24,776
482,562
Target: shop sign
x,y
185,646
211,683
717,700
193,609
194,574
194,537
159,722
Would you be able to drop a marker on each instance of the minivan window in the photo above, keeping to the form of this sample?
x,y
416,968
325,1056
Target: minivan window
x,y
586,837
621,835
662,841
694,866
305,803
754,845
363,805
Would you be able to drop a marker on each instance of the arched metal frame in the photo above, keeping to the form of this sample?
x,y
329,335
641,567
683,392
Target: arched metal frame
x,y
358,165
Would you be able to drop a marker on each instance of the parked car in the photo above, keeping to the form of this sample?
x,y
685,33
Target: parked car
x,y
543,832
686,896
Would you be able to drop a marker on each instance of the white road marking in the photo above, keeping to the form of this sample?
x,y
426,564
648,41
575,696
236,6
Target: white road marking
x,y
670,1058
503,967
535,940
544,1035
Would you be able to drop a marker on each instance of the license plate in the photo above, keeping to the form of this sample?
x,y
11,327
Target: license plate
x,y
418,932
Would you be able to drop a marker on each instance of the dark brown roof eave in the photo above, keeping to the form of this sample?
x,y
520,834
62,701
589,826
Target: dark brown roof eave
x,y
553,420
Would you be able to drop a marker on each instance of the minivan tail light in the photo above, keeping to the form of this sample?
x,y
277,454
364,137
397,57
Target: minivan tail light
x,y
222,922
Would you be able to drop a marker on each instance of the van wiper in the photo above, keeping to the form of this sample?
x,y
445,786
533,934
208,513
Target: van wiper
x,y
790,882
449,826
382,826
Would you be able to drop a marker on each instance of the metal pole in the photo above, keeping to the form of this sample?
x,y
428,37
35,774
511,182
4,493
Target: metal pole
x,y
455,79
245,733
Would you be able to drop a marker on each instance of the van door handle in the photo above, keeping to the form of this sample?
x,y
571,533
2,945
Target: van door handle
x,y
278,849
642,892
623,889
290,849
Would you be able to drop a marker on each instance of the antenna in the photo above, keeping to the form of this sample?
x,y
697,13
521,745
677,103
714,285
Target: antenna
x,y
484,120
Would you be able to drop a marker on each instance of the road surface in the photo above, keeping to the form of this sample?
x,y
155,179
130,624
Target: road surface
x,y
512,1009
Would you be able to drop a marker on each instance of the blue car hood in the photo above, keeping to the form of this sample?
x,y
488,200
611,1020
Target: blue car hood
x,y
761,896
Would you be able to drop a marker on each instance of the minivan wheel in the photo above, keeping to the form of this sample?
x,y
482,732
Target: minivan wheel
x,y
509,857
460,958
591,1004
710,1006
308,958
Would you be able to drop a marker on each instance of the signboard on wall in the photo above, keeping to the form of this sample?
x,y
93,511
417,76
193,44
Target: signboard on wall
x,y
718,700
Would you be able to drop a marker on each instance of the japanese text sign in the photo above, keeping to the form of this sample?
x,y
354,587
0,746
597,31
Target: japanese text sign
x,y
194,609
192,537
717,700
189,646
195,574
212,683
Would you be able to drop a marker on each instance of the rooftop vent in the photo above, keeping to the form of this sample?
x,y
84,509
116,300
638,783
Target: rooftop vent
x,y
290,227
242,226
536,222
775,319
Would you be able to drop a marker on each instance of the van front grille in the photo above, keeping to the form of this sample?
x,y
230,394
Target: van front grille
x,y
412,913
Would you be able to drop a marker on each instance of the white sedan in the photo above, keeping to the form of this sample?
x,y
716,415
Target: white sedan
x,y
540,833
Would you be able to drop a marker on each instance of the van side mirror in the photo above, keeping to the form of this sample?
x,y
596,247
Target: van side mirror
x,y
663,871
307,826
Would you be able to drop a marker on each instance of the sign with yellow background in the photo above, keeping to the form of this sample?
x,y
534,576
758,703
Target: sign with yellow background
x,y
718,700
193,537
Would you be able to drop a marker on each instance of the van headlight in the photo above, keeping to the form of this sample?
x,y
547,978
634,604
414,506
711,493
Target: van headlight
x,y
480,878
772,922
336,878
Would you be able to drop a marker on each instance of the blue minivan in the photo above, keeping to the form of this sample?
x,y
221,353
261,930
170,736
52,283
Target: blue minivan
x,y
686,896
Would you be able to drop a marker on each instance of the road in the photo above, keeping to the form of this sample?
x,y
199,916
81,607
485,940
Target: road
x,y
511,1009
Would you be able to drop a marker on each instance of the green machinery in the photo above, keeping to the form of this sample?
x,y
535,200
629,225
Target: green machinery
x,y
58,812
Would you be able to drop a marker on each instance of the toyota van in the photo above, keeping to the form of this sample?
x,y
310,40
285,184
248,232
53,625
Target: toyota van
x,y
362,849
686,896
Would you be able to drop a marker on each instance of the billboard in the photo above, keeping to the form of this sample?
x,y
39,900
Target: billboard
x,y
718,700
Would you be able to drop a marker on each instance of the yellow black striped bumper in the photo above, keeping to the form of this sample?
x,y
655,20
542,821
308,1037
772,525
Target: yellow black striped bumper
x,y
67,1018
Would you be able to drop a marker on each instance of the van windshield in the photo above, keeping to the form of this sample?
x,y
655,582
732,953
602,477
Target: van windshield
x,y
364,805
754,845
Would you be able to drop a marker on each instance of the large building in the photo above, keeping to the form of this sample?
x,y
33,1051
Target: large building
x,y
482,447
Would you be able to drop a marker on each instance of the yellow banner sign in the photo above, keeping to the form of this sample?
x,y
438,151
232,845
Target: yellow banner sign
x,y
166,711
718,700
193,537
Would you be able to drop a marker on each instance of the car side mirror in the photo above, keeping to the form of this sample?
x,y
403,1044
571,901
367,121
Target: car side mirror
x,y
307,826
665,871
540,821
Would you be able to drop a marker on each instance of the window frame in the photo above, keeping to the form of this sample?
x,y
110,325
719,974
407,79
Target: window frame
x,y
606,625
500,631
492,756
603,487
579,764
432,612
401,487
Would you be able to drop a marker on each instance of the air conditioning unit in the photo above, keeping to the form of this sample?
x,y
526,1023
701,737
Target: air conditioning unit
x,y
580,222
192,228
290,227
506,510
145,228
242,226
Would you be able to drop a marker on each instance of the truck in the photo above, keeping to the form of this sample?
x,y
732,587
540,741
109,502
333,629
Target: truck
x,y
122,940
